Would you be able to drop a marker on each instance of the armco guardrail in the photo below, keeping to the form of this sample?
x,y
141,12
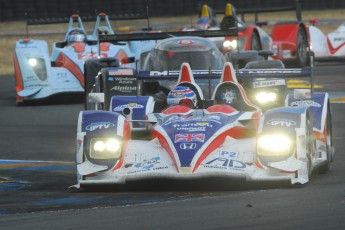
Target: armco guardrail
x,y
12,10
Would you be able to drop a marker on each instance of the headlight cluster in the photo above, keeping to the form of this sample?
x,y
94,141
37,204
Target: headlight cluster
x,y
105,148
38,66
230,44
266,97
271,145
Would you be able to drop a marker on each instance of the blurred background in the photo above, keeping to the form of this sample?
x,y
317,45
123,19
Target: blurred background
x,y
16,9
164,15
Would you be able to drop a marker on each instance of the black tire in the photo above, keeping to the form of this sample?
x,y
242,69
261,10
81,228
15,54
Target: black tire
x,y
311,145
89,80
302,58
310,148
329,147
255,43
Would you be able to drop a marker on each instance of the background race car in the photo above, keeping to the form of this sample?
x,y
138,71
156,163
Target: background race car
x,y
330,47
289,40
39,75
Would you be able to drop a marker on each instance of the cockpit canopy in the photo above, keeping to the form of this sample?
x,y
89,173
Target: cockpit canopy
x,y
169,54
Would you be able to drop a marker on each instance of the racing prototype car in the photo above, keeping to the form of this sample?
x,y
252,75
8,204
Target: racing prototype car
x,y
289,40
330,47
198,137
39,76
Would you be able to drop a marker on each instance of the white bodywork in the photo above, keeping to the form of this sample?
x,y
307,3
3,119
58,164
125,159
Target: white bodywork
x,y
330,47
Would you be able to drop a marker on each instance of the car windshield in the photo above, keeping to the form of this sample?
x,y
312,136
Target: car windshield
x,y
200,60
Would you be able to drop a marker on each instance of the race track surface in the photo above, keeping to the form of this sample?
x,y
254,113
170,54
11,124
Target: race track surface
x,y
37,167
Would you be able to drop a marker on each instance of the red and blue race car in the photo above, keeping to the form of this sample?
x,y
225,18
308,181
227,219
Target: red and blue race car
x,y
196,136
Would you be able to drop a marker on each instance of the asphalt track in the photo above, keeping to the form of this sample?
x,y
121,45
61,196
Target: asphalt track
x,y
37,167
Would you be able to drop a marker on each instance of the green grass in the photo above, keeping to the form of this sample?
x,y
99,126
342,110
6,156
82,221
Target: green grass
x,y
10,32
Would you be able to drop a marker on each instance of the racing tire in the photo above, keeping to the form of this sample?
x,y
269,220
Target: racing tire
x,y
255,43
311,146
302,57
329,148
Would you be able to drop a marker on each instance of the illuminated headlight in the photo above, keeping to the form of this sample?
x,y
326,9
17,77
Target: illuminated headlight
x,y
32,62
105,148
274,145
230,44
264,97
38,66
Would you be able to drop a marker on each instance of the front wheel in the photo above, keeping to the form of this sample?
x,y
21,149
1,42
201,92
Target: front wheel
x,y
329,147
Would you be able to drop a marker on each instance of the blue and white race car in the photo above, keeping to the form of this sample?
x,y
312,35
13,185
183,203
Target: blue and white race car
x,y
223,135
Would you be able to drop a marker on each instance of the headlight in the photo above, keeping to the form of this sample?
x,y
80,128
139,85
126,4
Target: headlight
x,y
105,148
274,145
38,66
230,44
264,97
33,62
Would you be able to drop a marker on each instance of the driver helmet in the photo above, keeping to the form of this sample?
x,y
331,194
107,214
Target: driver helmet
x,y
203,23
76,35
103,30
182,95
228,97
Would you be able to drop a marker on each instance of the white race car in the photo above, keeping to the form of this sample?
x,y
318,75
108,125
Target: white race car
x,y
330,47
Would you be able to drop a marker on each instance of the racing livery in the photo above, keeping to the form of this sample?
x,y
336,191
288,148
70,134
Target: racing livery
x,y
225,136
330,47
39,75
289,40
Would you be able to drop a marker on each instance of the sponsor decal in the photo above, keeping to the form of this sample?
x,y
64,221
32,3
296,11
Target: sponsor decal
x,y
192,127
130,106
281,122
120,72
228,97
285,71
225,163
185,42
286,53
265,83
339,39
190,137
99,125
177,72
90,55
229,154
187,146
122,80
302,141
147,164
306,103
124,88
79,144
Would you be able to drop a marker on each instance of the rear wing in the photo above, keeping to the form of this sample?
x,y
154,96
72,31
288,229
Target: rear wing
x,y
256,11
306,72
113,38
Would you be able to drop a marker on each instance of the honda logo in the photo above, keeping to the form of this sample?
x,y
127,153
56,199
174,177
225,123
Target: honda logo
x,y
187,146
